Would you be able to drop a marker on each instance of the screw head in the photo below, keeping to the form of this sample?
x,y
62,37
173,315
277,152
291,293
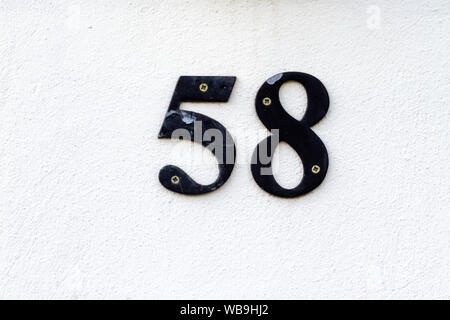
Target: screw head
x,y
175,180
203,87
315,169
267,101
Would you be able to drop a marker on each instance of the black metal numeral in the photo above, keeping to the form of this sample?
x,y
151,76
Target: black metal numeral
x,y
296,133
198,128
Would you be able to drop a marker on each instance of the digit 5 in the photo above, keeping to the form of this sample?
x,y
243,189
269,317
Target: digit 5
x,y
198,128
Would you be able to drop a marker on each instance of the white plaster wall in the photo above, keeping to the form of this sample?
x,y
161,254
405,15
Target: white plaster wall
x,y
84,86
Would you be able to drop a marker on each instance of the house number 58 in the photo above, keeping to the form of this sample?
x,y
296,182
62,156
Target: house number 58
x,y
215,137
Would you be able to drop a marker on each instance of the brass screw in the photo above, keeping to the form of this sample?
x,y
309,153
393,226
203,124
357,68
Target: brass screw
x,y
267,101
203,87
175,179
315,169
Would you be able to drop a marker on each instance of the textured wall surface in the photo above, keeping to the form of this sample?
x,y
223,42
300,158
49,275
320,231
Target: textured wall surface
x,y
84,86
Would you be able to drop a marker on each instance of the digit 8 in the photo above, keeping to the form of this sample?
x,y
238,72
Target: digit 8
x,y
296,133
